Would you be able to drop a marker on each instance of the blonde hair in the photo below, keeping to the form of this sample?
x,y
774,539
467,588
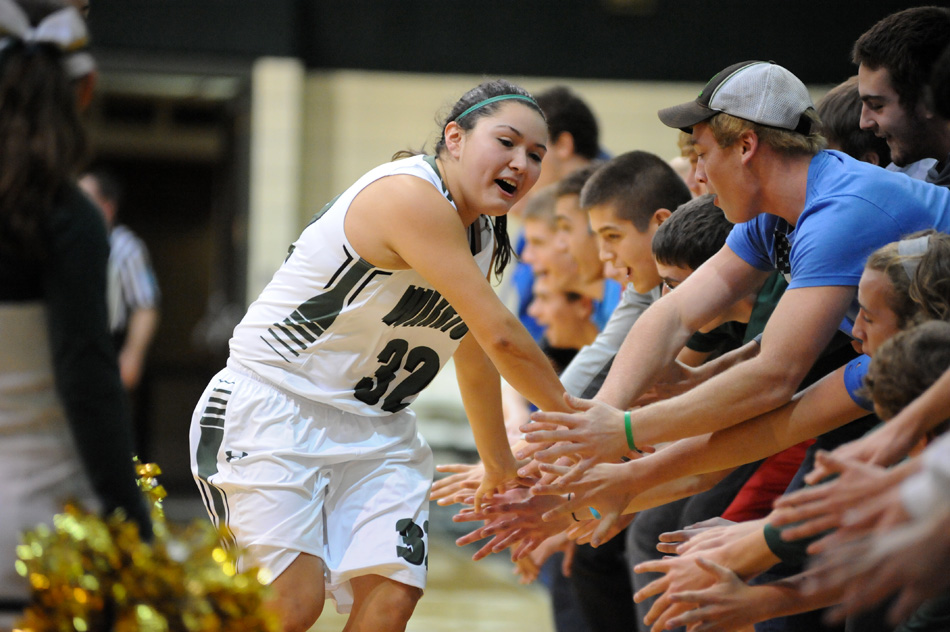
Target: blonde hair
x,y
925,294
930,287
726,129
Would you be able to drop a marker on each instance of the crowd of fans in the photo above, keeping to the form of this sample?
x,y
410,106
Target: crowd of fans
x,y
755,436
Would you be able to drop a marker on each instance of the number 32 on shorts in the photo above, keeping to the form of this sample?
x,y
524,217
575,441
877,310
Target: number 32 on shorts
x,y
422,364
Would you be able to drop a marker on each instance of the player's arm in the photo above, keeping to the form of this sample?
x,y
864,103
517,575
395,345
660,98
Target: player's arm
x,y
800,327
403,221
480,387
662,331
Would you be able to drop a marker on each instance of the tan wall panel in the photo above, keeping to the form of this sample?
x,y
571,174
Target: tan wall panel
x,y
276,166
356,120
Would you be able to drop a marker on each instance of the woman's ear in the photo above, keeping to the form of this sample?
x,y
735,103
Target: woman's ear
x,y
453,138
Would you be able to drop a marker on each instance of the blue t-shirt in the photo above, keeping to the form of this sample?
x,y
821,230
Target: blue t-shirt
x,y
523,281
606,305
854,373
851,209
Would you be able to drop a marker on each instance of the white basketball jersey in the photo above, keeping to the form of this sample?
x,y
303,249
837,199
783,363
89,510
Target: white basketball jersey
x,y
333,328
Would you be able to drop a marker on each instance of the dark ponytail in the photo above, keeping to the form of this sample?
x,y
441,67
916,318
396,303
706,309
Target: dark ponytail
x,y
505,251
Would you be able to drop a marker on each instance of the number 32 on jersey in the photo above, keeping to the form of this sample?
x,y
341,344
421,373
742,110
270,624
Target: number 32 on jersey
x,y
422,363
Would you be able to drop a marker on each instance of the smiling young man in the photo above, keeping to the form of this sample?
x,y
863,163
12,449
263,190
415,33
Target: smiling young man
x,y
636,180
895,58
624,201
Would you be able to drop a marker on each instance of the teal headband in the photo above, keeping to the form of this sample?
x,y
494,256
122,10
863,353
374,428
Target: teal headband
x,y
500,97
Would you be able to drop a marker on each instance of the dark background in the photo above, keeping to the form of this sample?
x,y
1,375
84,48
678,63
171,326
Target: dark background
x,y
668,40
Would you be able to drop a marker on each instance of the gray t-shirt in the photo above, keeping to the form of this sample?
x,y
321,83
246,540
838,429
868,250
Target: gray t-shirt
x,y
589,367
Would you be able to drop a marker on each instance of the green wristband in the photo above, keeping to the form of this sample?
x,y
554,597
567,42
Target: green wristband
x,y
629,428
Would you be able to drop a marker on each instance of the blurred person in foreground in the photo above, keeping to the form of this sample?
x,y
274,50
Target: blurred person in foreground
x,y
64,428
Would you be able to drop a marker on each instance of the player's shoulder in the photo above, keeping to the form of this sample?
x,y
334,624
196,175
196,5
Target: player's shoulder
x,y
405,196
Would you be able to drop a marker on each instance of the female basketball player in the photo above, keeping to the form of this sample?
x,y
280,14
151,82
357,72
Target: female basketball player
x,y
303,447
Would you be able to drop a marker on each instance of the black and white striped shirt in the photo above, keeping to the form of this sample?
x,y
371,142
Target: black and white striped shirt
x,y
131,284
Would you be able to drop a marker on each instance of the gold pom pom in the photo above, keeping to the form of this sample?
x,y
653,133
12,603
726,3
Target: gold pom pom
x,y
93,574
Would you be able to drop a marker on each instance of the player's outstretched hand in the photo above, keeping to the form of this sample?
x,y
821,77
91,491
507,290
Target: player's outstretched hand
x,y
498,480
462,482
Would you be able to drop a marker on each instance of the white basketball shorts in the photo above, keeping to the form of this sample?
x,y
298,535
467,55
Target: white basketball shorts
x,y
282,476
